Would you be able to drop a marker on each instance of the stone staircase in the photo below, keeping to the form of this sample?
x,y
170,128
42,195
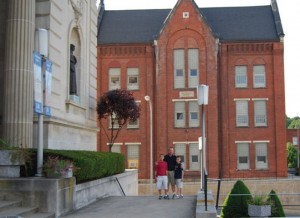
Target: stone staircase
x,y
14,209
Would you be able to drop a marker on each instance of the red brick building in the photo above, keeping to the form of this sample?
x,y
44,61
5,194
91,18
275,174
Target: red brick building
x,y
236,51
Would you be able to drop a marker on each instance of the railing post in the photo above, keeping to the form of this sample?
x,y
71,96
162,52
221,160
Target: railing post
x,y
218,193
205,189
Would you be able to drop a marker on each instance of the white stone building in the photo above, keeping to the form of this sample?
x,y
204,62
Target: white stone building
x,y
73,123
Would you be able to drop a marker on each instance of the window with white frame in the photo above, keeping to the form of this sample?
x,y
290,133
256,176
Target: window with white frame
x,y
243,156
132,78
113,122
133,124
260,113
179,75
259,76
180,150
242,117
133,154
114,78
116,148
241,79
193,64
194,120
261,153
194,157
180,114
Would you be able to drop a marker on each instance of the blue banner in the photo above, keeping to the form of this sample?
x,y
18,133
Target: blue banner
x,y
48,88
37,90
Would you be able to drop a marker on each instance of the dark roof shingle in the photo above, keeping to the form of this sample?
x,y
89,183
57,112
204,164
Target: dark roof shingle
x,y
227,23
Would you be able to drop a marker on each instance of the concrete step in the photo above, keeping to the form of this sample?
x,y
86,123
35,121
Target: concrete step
x,y
7,204
41,215
18,211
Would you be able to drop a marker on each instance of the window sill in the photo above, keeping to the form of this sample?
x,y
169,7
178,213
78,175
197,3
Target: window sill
x,y
132,128
74,104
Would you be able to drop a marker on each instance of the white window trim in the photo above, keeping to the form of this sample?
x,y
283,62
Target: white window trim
x,y
185,100
261,141
260,99
237,142
241,99
118,143
133,143
186,142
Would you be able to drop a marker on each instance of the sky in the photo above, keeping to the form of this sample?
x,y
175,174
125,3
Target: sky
x,y
290,17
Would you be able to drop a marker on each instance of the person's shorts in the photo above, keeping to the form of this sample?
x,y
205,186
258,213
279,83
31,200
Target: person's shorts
x,y
162,182
171,178
179,183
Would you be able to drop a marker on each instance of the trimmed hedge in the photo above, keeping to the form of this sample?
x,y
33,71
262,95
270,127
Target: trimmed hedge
x,y
236,205
92,165
277,210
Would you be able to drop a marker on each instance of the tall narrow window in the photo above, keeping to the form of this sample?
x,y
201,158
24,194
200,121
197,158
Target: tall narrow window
x,y
243,156
179,114
180,151
132,78
194,157
193,63
116,148
134,124
242,118
193,114
260,113
259,76
113,122
261,153
114,78
179,75
241,79
133,154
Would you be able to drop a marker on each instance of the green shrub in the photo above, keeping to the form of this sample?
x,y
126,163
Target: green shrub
x,y
277,210
92,165
291,155
236,205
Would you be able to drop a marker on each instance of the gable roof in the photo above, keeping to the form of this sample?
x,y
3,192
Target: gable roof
x,y
228,23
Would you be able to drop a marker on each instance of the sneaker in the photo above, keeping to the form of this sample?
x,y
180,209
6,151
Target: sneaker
x,y
181,196
160,197
166,197
174,195
177,197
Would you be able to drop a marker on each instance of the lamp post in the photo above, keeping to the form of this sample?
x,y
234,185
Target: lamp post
x,y
202,92
41,45
147,98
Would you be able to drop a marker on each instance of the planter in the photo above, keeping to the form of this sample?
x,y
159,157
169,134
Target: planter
x,y
259,210
57,168
10,162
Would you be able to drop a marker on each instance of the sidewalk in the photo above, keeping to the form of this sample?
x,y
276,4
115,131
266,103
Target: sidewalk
x,y
137,206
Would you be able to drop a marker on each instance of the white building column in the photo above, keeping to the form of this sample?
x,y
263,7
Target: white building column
x,y
18,93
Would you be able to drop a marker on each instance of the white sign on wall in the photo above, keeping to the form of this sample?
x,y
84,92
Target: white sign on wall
x,y
295,140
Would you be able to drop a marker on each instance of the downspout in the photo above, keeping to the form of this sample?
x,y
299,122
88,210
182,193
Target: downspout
x,y
220,135
155,85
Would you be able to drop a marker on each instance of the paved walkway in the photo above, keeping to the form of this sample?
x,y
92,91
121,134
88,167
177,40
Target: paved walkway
x,y
135,207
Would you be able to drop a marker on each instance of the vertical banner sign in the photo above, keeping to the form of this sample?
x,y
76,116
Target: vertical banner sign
x,y
48,84
37,89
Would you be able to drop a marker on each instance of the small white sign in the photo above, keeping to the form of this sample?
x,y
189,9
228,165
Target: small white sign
x,y
200,143
295,140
